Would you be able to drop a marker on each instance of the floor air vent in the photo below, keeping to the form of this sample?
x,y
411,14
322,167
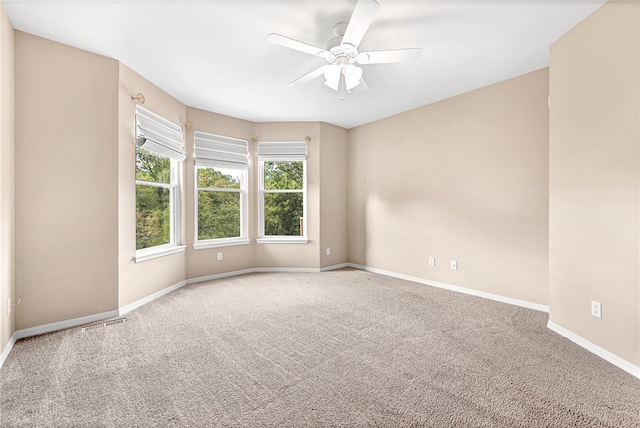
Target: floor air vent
x,y
102,324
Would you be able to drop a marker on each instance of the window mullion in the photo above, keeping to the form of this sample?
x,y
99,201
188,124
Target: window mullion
x,y
213,189
155,184
284,191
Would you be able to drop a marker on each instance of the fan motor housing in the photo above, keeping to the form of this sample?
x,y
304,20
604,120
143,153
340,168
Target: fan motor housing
x,y
336,41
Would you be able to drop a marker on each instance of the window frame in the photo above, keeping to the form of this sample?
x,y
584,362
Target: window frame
x,y
173,246
163,138
281,239
243,239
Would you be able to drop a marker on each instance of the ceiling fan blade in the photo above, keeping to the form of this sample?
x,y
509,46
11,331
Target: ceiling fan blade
x,y
297,45
360,21
309,76
390,56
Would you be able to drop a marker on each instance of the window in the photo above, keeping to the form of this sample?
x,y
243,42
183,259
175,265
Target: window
x,y
159,159
221,190
154,192
282,185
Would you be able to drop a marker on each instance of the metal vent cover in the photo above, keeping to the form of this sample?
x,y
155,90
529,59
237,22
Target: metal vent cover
x,y
102,324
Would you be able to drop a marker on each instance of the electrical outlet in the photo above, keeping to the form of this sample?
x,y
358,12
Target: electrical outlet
x,y
219,256
454,265
328,251
432,261
596,309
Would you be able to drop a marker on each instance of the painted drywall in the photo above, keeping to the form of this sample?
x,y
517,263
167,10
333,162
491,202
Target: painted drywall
x,y
464,179
139,280
114,155
297,255
66,189
202,262
333,195
7,181
594,215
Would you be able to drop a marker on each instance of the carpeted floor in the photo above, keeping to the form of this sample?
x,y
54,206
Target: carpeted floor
x,y
336,349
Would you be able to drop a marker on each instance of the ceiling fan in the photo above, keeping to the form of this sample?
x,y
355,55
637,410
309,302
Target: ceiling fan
x,y
342,54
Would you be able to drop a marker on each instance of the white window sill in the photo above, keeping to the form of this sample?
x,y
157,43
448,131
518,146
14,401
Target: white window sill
x,y
282,240
215,243
159,251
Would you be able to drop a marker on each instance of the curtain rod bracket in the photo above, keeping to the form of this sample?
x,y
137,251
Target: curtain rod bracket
x,y
138,97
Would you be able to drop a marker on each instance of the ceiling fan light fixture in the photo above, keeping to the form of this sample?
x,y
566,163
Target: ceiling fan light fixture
x,y
352,76
333,84
342,51
332,75
351,84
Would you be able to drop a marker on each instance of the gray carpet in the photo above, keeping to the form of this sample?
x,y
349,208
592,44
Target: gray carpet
x,y
337,349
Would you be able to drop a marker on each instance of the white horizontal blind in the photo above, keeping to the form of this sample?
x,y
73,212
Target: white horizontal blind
x,y
158,135
219,151
282,150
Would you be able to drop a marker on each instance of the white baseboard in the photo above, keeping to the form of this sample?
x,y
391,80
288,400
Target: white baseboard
x,y
51,327
150,298
265,270
307,270
299,270
496,297
47,328
7,349
130,307
592,347
219,275
334,267
61,325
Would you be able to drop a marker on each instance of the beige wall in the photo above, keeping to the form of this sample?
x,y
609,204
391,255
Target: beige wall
x,y
139,280
326,198
333,195
595,179
69,265
464,179
295,255
472,178
66,181
202,262
7,180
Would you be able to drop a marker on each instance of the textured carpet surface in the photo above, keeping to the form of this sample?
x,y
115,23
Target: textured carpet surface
x,y
336,349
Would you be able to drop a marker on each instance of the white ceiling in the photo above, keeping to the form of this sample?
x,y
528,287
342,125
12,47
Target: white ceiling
x,y
214,54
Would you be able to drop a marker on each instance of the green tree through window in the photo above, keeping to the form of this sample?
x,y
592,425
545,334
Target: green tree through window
x,y
219,203
153,199
283,198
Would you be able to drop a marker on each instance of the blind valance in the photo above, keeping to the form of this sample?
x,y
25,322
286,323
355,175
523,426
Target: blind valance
x,y
158,135
282,150
219,151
